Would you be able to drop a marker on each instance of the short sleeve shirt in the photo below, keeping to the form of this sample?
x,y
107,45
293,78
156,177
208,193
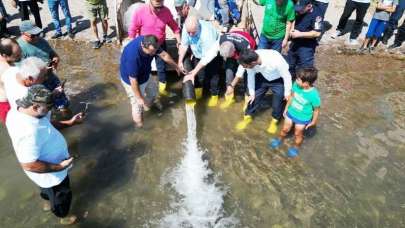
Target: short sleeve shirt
x,y
135,63
14,90
35,139
276,17
304,102
382,14
201,43
40,49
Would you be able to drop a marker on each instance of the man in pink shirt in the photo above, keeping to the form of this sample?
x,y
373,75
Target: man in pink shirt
x,y
151,19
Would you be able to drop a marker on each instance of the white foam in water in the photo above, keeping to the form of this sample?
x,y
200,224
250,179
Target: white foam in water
x,y
201,201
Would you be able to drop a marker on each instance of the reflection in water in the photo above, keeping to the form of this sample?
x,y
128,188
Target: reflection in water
x,y
200,200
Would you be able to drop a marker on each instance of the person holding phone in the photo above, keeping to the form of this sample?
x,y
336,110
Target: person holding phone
x,y
42,150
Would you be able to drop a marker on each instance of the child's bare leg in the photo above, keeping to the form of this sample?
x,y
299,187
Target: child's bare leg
x,y
365,43
286,128
373,42
299,134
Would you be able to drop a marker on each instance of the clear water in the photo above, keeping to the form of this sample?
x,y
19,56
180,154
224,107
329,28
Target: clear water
x,y
200,198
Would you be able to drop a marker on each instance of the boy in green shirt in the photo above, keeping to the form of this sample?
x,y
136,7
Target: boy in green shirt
x,y
277,23
302,109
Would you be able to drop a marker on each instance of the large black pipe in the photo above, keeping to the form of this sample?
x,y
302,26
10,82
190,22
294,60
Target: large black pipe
x,y
188,90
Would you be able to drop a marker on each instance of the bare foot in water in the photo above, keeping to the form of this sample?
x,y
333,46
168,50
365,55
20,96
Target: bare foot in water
x,y
68,220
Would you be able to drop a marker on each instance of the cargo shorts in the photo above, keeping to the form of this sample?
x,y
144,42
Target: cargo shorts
x,y
99,10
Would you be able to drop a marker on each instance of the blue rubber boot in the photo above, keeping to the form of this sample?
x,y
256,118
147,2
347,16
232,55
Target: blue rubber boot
x,y
275,143
292,152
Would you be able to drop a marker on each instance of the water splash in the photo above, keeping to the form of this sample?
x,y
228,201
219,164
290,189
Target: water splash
x,y
200,201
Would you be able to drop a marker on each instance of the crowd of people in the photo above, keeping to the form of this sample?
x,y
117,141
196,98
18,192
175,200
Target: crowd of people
x,y
210,56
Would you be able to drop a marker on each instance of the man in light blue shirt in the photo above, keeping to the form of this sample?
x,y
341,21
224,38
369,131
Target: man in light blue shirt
x,y
200,36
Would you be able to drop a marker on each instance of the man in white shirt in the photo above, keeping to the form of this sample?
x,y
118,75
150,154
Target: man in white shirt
x,y
42,150
266,69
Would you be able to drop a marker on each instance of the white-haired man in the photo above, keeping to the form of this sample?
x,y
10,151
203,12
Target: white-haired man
x,y
200,35
229,46
17,80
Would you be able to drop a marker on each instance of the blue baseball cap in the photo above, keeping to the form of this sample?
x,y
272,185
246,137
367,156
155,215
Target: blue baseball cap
x,y
28,27
300,5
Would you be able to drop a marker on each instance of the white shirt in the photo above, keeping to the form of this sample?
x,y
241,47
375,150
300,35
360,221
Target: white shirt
x,y
14,90
36,139
273,67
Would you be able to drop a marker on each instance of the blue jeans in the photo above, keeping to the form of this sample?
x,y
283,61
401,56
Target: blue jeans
x,y
262,86
266,43
376,28
300,57
54,8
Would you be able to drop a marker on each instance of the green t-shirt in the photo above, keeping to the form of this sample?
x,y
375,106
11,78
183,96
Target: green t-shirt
x,y
276,17
303,102
40,49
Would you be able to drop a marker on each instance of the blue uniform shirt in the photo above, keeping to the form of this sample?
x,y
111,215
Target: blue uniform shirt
x,y
308,22
135,63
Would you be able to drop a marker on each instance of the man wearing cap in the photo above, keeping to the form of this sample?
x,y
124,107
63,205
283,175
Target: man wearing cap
x,y
34,46
308,27
17,81
229,46
200,36
135,69
277,23
42,150
152,19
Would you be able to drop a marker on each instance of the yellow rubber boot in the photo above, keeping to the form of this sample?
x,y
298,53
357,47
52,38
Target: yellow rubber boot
x,y
272,129
229,100
162,89
198,93
241,125
213,101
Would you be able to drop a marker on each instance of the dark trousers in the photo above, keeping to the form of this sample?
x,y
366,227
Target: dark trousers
x,y
59,196
208,77
231,65
400,37
161,66
322,7
261,88
300,57
393,22
361,10
33,5
60,100
266,43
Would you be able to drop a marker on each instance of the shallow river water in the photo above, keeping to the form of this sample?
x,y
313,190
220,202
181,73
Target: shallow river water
x,y
351,173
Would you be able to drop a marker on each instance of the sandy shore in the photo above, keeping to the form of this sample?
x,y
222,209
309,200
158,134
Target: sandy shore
x,y
78,12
